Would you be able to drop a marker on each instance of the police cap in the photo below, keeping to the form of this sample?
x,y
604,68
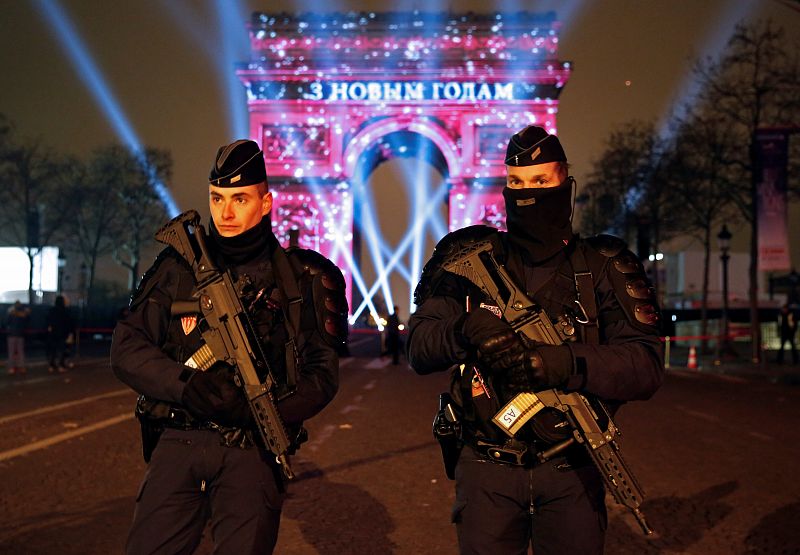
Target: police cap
x,y
238,164
534,145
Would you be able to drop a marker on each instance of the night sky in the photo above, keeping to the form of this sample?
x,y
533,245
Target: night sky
x,y
632,60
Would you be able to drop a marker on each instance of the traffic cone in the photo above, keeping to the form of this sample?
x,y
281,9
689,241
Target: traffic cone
x,y
691,364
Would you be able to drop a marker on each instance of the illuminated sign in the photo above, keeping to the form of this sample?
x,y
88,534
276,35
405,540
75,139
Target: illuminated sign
x,y
398,91
17,267
414,90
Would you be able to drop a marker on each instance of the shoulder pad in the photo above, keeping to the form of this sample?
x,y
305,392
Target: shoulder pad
x,y
307,260
450,244
633,289
465,236
328,289
607,245
148,280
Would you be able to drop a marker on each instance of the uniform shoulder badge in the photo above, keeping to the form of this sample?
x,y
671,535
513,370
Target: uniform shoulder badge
x,y
188,323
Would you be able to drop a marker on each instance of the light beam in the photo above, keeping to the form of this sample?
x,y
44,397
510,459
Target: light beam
x,y
91,75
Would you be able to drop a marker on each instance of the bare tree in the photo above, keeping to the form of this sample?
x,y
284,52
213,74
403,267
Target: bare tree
x,y
703,184
97,210
658,212
33,203
610,194
755,84
628,192
133,176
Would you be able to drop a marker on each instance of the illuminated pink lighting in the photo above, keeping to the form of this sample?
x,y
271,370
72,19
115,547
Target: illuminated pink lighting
x,y
323,90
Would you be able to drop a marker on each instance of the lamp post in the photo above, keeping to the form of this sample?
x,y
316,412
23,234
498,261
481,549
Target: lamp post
x,y
724,238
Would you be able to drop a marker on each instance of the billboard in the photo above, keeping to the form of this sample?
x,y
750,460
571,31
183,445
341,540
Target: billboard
x,y
16,270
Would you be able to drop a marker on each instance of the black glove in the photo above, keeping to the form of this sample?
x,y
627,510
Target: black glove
x,y
522,368
476,327
500,352
212,395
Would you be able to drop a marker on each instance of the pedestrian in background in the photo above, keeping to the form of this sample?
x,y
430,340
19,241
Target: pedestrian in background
x,y
60,330
393,336
788,326
16,323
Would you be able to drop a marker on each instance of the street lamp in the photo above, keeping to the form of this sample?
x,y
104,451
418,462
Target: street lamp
x,y
724,238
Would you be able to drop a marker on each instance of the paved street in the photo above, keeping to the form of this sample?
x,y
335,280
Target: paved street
x,y
716,455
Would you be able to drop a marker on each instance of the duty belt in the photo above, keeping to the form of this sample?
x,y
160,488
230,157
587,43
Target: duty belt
x,y
511,452
167,415
229,437
520,453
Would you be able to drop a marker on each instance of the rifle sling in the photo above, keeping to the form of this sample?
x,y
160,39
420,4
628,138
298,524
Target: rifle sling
x,y
584,287
291,311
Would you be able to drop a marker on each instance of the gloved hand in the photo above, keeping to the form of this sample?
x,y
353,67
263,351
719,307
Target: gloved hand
x,y
212,395
501,352
522,368
476,327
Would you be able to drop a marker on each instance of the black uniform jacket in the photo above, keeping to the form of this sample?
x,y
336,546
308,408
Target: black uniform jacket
x,y
149,346
626,365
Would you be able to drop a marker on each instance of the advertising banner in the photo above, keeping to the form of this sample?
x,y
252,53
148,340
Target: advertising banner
x,y
773,238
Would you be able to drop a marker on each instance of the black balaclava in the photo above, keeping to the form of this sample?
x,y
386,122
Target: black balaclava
x,y
539,219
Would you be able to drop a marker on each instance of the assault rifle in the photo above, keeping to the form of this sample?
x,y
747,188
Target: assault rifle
x,y
590,421
227,331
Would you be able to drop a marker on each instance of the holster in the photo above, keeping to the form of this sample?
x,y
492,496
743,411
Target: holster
x,y
151,426
447,431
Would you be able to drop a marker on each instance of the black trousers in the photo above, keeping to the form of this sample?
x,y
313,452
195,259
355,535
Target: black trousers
x,y
192,478
502,509
57,351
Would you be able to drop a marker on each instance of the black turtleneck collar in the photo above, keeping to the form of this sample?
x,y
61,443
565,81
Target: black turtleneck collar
x,y
258,242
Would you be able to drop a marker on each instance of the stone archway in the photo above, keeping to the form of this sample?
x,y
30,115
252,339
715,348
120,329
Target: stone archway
x,y
324,88
418,199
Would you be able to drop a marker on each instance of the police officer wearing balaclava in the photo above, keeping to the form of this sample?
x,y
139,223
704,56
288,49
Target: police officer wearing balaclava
x,y
594,287
206,459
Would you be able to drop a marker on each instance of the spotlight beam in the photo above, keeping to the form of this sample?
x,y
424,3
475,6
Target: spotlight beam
x,y
401,248
399,267
420,200
230,16
78,54
184,18
342,248
689,90
357,278
234,47
436,222
374,239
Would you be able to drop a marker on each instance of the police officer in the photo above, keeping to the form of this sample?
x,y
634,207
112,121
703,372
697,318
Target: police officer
x,y
206,460
598,291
